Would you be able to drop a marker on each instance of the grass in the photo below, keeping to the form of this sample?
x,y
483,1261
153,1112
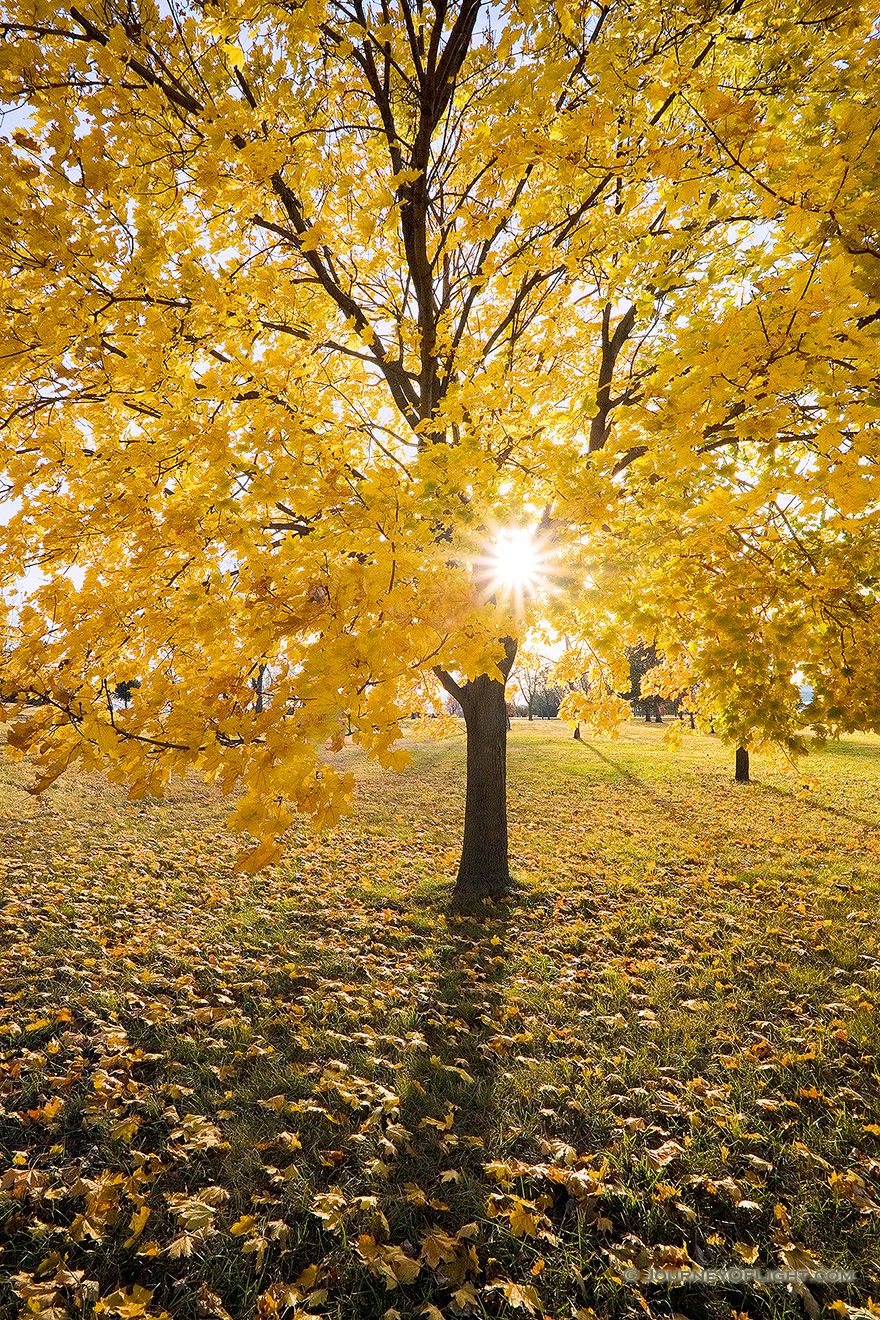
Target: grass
x,y
321,1091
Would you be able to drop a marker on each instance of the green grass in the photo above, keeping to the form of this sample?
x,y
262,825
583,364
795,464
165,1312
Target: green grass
x,y
323,1091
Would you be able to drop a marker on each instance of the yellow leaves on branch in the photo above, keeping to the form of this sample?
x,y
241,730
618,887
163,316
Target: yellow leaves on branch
x,y
288,399
602,711
671,678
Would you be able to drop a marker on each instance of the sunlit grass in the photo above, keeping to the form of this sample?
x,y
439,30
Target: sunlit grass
x,y
666,1041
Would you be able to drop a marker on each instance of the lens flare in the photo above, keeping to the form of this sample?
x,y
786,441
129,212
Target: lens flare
x,y
513,567
517,561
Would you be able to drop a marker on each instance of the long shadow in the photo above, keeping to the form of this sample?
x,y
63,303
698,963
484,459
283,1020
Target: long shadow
x,y
813,805
673,812
847,748
452,1105
622,770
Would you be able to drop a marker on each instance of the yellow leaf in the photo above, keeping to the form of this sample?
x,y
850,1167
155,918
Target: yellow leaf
x,y
243,1225
522,1296
128,1304
330,1207
137,1223
522,1222
309,1277
438,1247
181,1246
465,1297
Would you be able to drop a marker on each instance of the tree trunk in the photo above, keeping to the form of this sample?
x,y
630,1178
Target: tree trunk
x,y
742,766
484,871
577,733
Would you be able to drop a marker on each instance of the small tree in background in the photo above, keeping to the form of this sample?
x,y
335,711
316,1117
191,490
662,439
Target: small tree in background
x,y
642,658
530,676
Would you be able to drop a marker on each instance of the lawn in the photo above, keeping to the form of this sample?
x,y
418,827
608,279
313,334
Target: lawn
x,y
322,1092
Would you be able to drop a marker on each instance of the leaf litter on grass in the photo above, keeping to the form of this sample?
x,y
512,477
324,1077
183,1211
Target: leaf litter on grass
x,y
322,1091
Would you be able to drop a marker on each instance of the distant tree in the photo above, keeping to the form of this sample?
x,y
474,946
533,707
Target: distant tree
x,y
642,657
547,699
674,679
530,676
580,684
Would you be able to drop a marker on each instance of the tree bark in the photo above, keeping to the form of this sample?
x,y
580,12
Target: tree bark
x,y
742,766
484,870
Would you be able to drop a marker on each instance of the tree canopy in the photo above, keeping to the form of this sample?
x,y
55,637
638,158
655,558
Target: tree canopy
x,y
305,304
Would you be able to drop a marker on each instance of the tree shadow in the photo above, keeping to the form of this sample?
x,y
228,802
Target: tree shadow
x,y
846,747
621,769
825,807
450,1100
678,814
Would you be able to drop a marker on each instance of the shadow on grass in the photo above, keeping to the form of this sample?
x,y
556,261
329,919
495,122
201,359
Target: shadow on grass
x,y
451,1104
812,805
622,770
847,748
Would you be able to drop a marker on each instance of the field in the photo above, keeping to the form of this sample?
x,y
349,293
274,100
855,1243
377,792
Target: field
x,y
324,1092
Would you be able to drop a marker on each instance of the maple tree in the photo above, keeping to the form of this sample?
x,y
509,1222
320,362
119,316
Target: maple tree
x,y
305,307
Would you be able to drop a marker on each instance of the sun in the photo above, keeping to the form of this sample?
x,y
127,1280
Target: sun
x,y
517,562
513,566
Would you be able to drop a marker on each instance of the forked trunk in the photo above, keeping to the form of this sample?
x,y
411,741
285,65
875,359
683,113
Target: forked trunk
x,y
742,766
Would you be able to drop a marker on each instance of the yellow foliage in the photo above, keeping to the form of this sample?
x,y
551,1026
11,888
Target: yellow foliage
x,y
277,373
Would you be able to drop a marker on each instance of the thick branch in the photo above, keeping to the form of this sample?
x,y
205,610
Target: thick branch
x,y
449,683
611,346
